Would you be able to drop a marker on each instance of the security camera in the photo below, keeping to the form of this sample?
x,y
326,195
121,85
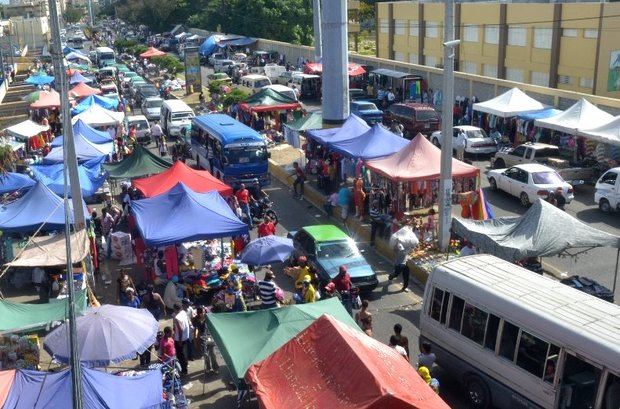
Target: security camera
x,y
452,43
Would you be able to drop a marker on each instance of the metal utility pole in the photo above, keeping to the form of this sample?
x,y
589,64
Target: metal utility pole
x,y
70,176
316,19
90,13
335,54
445,181
11,50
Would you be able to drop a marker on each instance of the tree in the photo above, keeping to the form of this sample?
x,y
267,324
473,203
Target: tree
x,y
168,62
73,14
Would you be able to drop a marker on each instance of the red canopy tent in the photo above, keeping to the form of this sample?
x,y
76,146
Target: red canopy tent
x,y
83,90
333,365
419,160
152,52
47,99
199,181
317,68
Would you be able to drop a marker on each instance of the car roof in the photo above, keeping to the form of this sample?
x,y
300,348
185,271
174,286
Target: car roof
x,y
361,101
325,232
538,145
416,105
534,167
467,127
255,77
132,118
153,98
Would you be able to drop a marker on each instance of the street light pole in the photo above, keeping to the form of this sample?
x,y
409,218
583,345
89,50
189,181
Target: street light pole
x,y
316,19
445,181
90,12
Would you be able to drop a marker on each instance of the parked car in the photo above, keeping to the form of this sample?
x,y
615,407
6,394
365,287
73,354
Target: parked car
x,y
222,65
529,182
478,142
215,57
607,191
143,134
356,94
589,286
282,89
285,77
327,248
109,90
146,91
151,108
366,110
414,117
219,76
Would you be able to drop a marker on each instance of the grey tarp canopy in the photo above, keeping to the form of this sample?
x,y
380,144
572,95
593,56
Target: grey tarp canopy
x,y
544,230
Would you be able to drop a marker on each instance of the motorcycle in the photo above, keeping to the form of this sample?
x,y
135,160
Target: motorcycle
x,y
263,208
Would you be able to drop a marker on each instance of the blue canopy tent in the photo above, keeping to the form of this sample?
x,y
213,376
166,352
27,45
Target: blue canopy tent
x,y
77,56
68,50
541,114
86,131
181,215
209,45
353,127
39,206
39,79
374,143
84,150
90,175
10,182
77,78
107,103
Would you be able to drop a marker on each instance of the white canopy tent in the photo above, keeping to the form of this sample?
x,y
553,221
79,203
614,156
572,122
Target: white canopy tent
x,y
607,133
96,115
26,129
580,115
509,104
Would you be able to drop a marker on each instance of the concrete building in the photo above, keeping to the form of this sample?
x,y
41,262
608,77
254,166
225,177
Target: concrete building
x,y
353,11
569,46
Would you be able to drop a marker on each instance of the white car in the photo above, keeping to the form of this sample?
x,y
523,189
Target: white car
x,y
222,65
285,77
529,182
607,191
478,142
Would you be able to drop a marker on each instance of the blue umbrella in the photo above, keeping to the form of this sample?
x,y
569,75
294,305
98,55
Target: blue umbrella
x,y
106,335
39,79
266,250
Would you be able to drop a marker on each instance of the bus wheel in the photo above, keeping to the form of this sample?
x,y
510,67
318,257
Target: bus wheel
x,y
478,393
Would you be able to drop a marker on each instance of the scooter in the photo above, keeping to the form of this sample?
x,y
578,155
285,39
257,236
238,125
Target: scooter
x,y
262,209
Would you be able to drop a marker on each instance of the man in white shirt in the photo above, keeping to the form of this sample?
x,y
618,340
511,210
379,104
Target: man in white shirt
x,y
181,330
390,96
156,132
460,144
39,280
394,344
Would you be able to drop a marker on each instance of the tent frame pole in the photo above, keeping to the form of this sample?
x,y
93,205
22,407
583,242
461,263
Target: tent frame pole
x,y
616,272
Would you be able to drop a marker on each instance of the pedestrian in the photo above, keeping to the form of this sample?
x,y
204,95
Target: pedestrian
x,y
40,281
167,349
107,223
426,375
163,147
267,291
153,302
344,201
342,284
364,318
156,132
243,196
181,328
207,345
266,228
426,358
359,196
394,345
191,313
210,157
300,178
400,265
376,222
460,144
331,202
391,98
401,339
131,299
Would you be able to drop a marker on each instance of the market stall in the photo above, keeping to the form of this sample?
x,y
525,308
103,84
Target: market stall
x,y
97,116
107,103
47,99
353,126
152,52
75,56
85,150
345,366
39,79
32,134
375,143
199,181
77,78
293,130
83,130
141,162
267,101
51,251
11,182
82,90
90,174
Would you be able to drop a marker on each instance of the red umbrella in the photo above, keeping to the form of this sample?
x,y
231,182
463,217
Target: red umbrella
x,y
47,99
152,52
83,90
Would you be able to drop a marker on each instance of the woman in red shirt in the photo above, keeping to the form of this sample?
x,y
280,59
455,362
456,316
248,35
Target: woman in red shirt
x,y
166,346
266,228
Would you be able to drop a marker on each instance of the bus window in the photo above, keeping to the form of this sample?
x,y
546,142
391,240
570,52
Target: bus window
x,y
438,297
444,307
579,381
456,313
474,323
551,364
532,354
611,397
508,342
490,338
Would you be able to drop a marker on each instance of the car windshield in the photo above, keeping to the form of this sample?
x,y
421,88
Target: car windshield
x,y
179,116
426,115
157,103
140,125
547,152
476,134
149,91
547,178
367,107
337,249
246,154
261,83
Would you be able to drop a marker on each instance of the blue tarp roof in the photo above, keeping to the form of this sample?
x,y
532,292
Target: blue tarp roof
x,y
236,42
77,78
39,79
229,129
541,114
87,132
32,389
68,50
374,143
38,206
171,218
354,126
10,182
209,45
84,150
107,103
89,173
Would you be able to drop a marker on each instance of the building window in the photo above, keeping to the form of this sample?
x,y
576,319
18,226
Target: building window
x,y
432,29
489,70
590,33
514,74
540,78
517,35
384,27
564,79
398,56
414,28
470,33
400,27
586,82
569,32
543,38
491,34
431,61
469,67
414,58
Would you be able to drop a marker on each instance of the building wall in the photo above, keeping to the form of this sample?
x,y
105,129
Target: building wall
x,y
564,45
35,32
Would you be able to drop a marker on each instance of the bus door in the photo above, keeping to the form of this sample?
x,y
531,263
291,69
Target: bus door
x,y
577,386
219,160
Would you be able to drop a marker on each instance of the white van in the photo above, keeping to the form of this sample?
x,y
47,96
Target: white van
x,y
175,115
273,71
253,83
283,89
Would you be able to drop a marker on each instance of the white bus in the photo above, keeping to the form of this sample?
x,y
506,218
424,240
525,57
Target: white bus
x,y
105,56
516,339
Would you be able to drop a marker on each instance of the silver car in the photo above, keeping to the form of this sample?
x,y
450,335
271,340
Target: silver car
x,y
478,142
151,108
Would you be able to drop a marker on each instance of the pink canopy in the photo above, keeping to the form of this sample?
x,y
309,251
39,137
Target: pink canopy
x,y
83,90
317,68
419,160
152,52
47,99
6,381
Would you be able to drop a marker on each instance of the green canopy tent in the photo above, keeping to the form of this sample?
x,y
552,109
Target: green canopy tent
x,y
140,163
18,317
306,123
267,100
245,338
